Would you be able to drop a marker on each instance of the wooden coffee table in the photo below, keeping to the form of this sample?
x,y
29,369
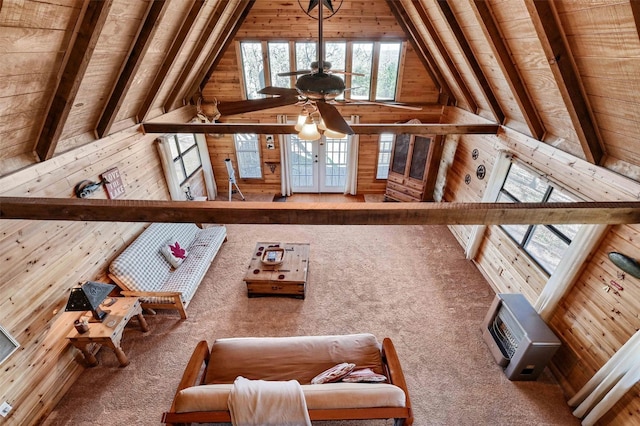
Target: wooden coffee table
x,y
286,279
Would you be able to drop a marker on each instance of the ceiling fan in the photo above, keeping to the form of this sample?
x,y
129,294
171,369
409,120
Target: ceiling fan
x,y
315,90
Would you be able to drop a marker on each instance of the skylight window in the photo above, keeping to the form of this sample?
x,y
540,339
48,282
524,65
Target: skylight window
x,y
288,56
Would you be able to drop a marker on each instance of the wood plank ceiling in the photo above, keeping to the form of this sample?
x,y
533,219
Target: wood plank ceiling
x,y
564,72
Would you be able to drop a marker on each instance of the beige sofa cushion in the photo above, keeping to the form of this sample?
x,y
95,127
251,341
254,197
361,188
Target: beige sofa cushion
x,y
325,396
298,358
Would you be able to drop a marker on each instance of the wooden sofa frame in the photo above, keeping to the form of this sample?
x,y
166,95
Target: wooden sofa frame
x,y
176,296
194,375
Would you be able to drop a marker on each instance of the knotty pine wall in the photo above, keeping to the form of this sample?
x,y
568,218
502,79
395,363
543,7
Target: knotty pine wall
x,y
222,147
43,260
592,324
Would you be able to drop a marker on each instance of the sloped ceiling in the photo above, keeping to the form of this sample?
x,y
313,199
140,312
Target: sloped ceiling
x,y
565,72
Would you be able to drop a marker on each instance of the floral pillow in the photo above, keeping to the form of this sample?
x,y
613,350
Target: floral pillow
x,y
364,375
333,374
174,253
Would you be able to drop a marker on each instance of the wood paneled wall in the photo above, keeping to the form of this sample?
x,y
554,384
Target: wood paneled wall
x,y
42,261
222,147
592,323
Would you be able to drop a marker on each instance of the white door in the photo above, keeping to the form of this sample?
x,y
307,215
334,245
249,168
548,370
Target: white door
x,y
318,166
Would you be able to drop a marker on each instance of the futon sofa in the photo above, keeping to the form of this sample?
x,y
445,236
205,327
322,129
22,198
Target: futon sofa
x,y
208,378
142,270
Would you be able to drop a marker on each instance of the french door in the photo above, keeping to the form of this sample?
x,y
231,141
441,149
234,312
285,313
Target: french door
x,y
318,166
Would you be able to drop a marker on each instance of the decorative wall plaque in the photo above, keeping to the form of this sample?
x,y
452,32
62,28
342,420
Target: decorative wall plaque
x,y
113,183
481,171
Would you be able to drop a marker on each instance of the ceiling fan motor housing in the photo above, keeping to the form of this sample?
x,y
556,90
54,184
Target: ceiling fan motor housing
x,y
320,86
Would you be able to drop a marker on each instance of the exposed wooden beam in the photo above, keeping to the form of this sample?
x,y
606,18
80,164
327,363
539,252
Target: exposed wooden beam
x,y
169,58
150,23
228,33
319,213
467,52
635,10
198,50
444,53
503,58
567,78
422,50
288,129
75,64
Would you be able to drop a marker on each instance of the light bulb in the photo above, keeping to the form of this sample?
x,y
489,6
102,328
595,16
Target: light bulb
x,y
333,134
302,119
309,131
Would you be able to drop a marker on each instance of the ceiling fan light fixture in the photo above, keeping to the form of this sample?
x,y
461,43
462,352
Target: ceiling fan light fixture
x,y
332,134
302,119
309,131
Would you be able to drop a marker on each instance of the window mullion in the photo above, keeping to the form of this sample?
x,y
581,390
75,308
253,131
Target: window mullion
x,y
348,69
266,66
400,76
375,62
292,62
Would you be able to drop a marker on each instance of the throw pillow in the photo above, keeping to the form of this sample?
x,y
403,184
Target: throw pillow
x,y
364,375
333,374
174,253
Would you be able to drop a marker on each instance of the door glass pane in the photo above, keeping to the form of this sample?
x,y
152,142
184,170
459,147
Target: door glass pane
x,y
253,68
400,153
419,157
301,162
173,145
388,63
279,62
361,63
336,162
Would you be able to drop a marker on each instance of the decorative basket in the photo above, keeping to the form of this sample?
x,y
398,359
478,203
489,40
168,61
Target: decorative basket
x,y
273,256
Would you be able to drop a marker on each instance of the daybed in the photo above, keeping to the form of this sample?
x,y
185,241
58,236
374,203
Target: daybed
x,y
142,270
203,393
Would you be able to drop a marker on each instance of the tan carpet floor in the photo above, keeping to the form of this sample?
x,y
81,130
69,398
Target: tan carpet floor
x,y
409,283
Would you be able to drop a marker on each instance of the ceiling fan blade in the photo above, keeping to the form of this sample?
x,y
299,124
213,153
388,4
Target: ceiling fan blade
x,y
299,72
386,104
347,73
278,91
240,107
333,119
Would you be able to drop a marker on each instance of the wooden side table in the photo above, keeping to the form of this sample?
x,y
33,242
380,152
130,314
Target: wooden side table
x,y
109,331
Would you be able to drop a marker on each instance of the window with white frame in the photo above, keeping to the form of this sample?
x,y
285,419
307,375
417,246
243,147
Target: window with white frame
x,y
248,155
385,146
262,61
545,244
185,155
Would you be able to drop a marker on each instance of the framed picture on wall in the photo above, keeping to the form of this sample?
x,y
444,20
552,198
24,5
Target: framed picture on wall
x,y
8,344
